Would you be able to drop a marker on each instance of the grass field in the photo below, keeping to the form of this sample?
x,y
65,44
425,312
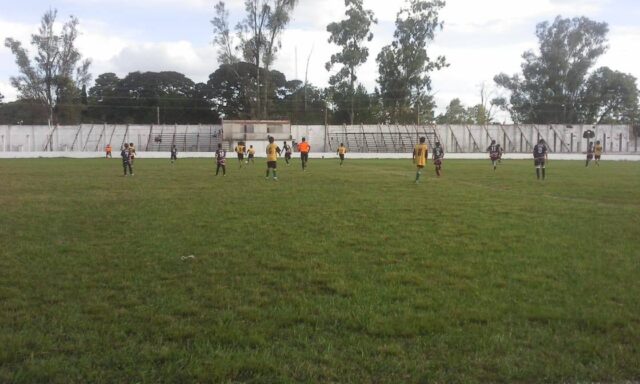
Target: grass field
x,y
350,274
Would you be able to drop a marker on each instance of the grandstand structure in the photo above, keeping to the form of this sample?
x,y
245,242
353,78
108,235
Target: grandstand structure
x,y
361,138
380,138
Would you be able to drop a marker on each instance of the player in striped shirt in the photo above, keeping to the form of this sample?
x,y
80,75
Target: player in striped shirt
x,y
540,157
494,153
438,156
221,160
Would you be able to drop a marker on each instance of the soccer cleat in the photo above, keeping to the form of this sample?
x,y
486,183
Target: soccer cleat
x,y
275,179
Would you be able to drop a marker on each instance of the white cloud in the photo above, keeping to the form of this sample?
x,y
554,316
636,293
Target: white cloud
x,y
480,39
624,50
501,16
8,91
197,4
181,56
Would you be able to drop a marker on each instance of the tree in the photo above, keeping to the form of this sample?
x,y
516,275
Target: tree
x,y
233,89
137,98
349,106
551,88
259,34
222,35
1,98
350,35
610,97
58,74
456,114
404,65
23,112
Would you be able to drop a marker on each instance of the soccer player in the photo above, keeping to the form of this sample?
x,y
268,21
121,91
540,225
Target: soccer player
x,y
590,150
500,152
108,152
126,159
438,156
239,149
540,158
251,153
598,152
420,154
287,153
341,152
304,149
221,160
494,153
132,153
174,154
273,151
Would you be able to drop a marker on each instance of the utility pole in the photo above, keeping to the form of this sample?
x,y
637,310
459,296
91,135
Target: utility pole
x,y
326,128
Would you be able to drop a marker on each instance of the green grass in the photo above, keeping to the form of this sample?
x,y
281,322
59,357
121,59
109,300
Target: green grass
x,y
349,274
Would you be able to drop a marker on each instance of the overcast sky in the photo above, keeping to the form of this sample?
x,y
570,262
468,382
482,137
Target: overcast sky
x,y
479,39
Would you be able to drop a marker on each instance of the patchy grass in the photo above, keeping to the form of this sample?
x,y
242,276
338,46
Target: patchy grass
x,y
349,274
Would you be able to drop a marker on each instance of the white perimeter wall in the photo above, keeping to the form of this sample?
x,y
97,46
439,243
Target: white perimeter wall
x,y
316,155
455,138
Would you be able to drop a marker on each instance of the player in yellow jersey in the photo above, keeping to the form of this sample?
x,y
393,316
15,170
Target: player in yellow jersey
x,y
342,150
273,151
132,153
420,153
598,152
239,149
251,153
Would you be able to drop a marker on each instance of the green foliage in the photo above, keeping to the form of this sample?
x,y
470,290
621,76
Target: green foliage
x,y
366,108
555,87
610,97
135,99
57,74
352,274
404,65
301,104
21,111
222,35
459,114
259,34
350,34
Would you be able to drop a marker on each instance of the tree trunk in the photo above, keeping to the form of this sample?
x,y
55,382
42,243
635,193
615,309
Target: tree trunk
x,y
352,93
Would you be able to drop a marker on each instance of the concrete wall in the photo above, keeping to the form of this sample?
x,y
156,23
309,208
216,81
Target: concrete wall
x,y
455,138
313,155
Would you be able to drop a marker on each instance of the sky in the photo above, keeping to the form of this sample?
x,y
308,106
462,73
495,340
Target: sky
x,y
480,38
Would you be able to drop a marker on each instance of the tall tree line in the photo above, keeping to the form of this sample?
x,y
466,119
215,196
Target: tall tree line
x,y
558,83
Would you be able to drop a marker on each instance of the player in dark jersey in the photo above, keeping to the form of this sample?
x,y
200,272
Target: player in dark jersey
x,y
590,150
438,156
540,157
221,160
500,152
287,152
174,154
126,159
494,153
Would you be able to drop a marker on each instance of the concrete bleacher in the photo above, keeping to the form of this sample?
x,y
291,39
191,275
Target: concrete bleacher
x,y
373,139
380,139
